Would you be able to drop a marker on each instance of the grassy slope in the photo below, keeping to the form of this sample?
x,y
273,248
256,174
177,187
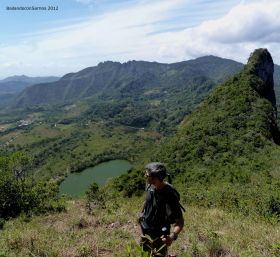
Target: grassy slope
x,y
108,232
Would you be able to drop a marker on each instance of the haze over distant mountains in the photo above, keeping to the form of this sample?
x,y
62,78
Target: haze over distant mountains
x,y
11,86
16,84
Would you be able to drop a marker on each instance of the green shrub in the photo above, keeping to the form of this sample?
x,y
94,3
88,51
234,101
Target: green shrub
x,y
18,192
93,192
246,199
130,184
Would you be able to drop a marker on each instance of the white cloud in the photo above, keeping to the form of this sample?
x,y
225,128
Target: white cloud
x,y
246,23
128,33
246,27
119,35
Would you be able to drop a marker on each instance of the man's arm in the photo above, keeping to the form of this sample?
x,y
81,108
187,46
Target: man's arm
x,y
178,226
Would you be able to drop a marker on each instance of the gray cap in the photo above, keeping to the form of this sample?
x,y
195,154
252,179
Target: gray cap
x,y
156,169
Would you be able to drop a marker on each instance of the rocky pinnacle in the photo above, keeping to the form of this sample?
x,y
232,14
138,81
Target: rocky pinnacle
x,y
261,64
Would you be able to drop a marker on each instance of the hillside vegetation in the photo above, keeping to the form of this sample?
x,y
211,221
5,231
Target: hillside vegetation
x,y
224,159
105,112
136,93
113,79
225,152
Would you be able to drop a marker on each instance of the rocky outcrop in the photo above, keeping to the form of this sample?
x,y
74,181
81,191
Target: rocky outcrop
x,y
261,64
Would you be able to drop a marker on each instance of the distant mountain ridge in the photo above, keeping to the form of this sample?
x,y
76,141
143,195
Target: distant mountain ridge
x,y
133,77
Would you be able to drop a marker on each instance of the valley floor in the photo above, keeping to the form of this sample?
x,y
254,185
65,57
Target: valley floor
x,y
114,230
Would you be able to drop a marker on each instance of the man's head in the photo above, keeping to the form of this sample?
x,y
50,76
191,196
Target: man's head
x,y
155,170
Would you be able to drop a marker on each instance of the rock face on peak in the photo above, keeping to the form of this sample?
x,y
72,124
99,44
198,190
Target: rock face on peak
x,y
261,65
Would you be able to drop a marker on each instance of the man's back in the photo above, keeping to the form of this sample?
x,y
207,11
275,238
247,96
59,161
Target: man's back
x,y
161,208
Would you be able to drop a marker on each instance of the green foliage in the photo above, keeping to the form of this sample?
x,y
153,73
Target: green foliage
x,y
19,193
262,200
139,251
46,198
130,184
276,250
93,194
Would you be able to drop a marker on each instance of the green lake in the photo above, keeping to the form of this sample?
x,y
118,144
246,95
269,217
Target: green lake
x,y
76,184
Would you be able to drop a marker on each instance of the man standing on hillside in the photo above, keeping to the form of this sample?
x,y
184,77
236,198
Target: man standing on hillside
x,y
161,209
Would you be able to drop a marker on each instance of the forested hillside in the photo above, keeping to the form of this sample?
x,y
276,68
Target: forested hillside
x,y
225,152
114,80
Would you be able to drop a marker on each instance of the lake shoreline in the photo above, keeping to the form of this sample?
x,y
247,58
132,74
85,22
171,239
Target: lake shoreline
x,y
76,183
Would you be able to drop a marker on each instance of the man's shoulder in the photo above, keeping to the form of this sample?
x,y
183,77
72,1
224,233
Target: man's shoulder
x,y
171,192
168,185
169,188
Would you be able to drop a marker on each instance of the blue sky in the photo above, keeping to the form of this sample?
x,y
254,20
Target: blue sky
x,y
82,33
20,23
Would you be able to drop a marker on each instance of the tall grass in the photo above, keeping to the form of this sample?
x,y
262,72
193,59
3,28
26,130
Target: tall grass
x,y
113,230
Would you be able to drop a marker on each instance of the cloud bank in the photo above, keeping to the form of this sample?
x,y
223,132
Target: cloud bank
x,y
235,36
